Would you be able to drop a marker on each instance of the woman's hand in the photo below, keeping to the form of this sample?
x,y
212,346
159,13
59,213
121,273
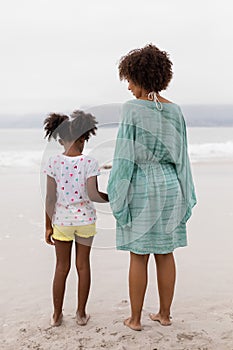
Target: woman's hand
x,y
48,236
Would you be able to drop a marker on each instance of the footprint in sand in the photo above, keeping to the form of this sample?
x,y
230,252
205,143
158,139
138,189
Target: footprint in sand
x,y
186,336
123,304
227,335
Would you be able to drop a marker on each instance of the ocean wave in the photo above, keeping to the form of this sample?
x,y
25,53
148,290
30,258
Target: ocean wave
x,y
20,159
211,151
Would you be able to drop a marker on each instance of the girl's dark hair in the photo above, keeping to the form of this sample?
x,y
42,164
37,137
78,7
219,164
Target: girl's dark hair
x,y
60,125
147,67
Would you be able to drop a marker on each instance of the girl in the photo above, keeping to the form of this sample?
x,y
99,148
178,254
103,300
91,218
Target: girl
x,y
70,213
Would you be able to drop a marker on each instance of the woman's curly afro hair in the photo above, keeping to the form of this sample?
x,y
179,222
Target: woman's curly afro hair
x,y
148,67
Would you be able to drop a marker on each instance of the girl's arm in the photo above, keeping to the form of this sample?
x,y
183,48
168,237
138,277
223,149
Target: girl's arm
x,y
93,192
49,208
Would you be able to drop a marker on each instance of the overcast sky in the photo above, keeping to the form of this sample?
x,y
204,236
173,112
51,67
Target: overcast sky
x,y
60,55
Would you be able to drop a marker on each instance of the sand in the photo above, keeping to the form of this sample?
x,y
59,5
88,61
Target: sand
x,y
203,304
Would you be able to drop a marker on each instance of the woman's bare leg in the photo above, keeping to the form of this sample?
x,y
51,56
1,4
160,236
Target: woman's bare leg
x,y
84,279
166,275
137,288
63,255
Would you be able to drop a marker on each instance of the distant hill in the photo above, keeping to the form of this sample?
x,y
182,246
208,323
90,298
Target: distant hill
x,y
208,115
109,114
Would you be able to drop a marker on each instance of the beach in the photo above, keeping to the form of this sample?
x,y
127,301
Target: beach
x,y
202,312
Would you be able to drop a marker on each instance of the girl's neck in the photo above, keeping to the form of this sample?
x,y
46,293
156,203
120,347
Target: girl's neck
x,y
73,151
68,153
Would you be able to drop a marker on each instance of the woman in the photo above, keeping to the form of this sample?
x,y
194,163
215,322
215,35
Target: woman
x,y
150,189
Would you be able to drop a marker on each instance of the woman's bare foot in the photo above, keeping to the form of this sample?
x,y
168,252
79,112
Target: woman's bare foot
x,y
56,321
135,326
163,320
82,321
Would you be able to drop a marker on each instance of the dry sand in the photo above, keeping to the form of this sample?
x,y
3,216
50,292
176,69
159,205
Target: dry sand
x,y
203,304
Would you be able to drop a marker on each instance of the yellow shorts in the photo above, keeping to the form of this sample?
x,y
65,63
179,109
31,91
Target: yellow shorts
x,y
69,233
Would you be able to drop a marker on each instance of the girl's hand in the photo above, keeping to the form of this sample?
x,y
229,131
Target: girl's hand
x,y
48,236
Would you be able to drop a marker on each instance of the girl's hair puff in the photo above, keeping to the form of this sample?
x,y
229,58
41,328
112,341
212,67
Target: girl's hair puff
x,y
83,125
52,125
70,129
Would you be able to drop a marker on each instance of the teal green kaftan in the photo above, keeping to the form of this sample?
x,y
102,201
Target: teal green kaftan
x,y
150,188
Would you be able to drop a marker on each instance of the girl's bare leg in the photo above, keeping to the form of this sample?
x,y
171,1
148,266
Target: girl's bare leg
x,y
137,288
84,279
63,254
166,275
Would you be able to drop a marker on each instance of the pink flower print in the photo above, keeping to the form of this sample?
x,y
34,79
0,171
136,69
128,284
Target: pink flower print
x,y
89,161
50,166
62,188
72,199
76,192
75,217
81,159
55,162
71,175
62,163
90,219
45,171
75,167
79,210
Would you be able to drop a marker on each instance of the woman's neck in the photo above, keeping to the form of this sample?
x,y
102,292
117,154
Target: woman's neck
x,y
160,98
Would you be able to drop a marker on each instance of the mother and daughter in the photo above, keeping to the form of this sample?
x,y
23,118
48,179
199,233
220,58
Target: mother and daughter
x,y
150,189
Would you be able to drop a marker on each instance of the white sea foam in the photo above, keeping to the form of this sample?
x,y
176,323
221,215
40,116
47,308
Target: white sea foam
x,y
211,151
20,159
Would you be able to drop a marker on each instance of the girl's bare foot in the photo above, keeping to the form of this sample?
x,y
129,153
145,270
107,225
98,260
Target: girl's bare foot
x,y
163,320
135,326
56,321
82,321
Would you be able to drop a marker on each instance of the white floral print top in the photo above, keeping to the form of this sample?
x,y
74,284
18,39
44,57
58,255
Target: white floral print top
x,y
73,206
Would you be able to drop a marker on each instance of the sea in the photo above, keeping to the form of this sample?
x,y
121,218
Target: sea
x,y
26,149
